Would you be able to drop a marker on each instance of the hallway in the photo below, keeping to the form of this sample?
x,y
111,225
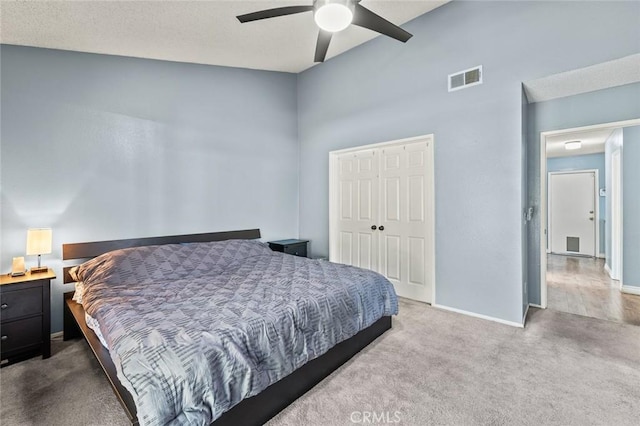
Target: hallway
x,y
580,285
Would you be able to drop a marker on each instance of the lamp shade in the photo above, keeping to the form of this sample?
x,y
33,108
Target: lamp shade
x,y
38,241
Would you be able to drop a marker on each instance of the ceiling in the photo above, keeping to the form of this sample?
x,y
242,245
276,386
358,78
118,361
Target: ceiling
x,y
592,142
614,73
203,32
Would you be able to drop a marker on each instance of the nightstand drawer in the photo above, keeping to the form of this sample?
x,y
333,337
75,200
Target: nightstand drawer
x,y
296,249
20,303
20,334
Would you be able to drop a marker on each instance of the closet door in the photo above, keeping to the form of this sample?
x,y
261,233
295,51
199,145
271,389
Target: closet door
x,y
382,213
358,209
403,230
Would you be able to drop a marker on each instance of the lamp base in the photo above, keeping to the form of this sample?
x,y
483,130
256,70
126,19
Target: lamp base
x,y
39,269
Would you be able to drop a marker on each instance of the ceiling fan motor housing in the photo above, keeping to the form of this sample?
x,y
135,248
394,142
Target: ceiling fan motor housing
x,y
317,4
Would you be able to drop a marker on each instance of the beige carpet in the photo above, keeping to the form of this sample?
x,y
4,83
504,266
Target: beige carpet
x,y
434,367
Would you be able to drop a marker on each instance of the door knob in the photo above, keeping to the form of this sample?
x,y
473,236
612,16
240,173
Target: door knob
x,y
591,212
590,218
381,228
373,227
4,306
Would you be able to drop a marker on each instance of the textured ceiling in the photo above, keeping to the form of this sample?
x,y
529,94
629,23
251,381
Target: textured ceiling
x,y
592,142
614,73
204,32
601,76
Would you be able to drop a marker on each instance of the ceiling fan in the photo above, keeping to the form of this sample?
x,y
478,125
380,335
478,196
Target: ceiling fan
x,y
333,16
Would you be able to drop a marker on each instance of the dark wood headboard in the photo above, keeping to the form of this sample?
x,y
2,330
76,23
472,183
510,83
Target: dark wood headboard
x,y
96,248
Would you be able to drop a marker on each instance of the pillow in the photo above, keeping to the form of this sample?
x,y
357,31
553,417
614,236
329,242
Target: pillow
x,y
138,265
77,296
73,273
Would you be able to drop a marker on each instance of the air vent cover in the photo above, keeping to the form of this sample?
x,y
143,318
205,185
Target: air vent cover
x,y
573,244
466,78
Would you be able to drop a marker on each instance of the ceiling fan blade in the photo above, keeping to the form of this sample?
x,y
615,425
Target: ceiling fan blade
x,y
272,13
324,38
365,18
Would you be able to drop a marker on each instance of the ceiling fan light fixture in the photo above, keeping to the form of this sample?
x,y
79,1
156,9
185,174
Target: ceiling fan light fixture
x,y
571,145
333,15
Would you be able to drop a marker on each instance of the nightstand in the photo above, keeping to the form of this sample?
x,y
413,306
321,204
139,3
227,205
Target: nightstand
x,y
294,247
25,315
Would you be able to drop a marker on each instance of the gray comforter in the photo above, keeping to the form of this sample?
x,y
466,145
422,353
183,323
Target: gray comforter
x,y
195,328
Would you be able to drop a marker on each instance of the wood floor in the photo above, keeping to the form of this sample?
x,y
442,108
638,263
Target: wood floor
x,y
580,285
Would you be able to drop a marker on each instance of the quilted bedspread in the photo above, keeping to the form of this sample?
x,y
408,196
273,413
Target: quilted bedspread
x,y
195,328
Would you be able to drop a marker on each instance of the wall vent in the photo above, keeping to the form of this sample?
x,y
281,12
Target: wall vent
x,y
466,78
573,244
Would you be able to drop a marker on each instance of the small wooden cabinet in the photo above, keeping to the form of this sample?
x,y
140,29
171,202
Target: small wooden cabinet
x,y
25,316
294,247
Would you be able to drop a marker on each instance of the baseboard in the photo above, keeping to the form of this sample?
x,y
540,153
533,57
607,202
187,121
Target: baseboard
x,y
630,289
607,270
481,316
57,334
535,305
602,256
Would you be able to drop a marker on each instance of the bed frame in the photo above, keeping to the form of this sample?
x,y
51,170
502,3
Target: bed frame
x,y
255,410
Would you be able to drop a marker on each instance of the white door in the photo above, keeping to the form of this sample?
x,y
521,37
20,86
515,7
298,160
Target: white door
x,y
358,209
403,218
382,213
572,213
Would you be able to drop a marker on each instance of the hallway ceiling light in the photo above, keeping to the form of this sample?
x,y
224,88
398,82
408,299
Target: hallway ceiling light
x,y
571,145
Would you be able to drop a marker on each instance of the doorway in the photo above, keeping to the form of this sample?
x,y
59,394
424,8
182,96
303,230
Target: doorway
x,y
581,225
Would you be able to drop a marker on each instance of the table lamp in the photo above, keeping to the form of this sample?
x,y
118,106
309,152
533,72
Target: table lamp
x,y
39,243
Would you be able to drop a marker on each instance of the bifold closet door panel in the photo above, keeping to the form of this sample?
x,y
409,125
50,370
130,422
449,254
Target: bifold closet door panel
x,y
403,207
358,186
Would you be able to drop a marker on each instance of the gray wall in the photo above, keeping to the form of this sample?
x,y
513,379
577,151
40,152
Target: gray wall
x,y
384,90
104,147
586,162
602,106
631,206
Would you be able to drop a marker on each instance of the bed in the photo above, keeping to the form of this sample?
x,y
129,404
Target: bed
x,y
216,326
